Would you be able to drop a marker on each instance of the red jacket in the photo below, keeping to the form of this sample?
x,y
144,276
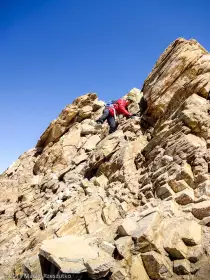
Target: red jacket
x,y
120,108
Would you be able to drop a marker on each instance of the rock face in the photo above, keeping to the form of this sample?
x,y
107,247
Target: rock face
x,y
131,205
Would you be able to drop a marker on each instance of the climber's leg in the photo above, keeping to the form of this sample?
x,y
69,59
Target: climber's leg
x,y
104,116
112,124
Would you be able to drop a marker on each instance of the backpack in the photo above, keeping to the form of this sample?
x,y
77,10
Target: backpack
x,y
110,103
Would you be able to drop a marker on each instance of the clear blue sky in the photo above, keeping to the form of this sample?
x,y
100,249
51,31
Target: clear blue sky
x,y
52,51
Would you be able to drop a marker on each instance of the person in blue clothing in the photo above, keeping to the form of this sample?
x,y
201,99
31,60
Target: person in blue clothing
x,y
106,116
112,109
120,106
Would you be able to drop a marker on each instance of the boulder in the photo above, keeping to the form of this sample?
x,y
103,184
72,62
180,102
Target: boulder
x,y
178,186
174,245
59,156
194,118
187,174
191,233
74,225
201,210
99,266
110,213
195,253
85,112
80,158
91,143
74,254
205,222
137,270
185,197
88,129
101,181
135,94
68,260
94,222
98,104
129,227
124,246
204,270
59,126
147,238
104,150
182,267
119,274
164,192
157,266
119,271
107,247
169,208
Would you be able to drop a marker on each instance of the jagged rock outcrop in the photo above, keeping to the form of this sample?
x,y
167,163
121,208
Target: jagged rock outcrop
x,y
131,205
181,70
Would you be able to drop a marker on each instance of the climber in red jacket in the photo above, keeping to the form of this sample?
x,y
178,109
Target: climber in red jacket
x,y
114,108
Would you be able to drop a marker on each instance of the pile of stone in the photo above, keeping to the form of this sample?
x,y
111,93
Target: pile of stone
x,y
134,204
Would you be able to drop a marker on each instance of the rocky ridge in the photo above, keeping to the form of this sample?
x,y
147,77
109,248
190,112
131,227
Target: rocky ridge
x,y
131,205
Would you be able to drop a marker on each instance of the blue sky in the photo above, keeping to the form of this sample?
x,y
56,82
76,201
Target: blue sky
x,y
52,51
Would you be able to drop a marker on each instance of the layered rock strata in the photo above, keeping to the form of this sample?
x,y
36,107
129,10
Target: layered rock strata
x,y
131,205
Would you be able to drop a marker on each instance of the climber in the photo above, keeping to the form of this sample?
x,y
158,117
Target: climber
x,y
114,108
